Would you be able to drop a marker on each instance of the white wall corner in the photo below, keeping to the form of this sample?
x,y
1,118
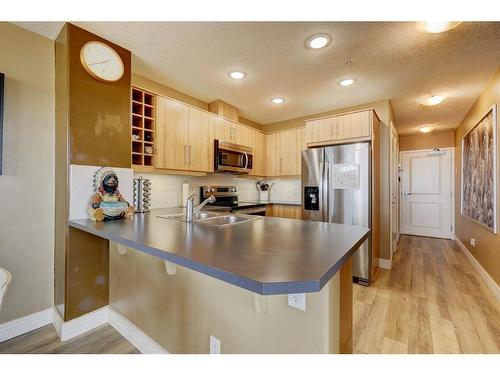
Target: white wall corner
x,y
490,283
25,324
386,264
133,334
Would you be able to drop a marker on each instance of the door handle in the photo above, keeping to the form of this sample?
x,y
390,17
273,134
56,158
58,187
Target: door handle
x,y
246,160
406,194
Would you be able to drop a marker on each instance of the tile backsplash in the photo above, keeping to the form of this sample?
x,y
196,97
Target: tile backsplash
x,y
166,190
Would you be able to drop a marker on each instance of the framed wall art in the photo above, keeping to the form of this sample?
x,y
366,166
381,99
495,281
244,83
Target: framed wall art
x,y
479,172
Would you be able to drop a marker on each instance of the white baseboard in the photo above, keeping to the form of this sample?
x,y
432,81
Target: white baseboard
x,y
76,327
133,334
385,263
492,285
25,324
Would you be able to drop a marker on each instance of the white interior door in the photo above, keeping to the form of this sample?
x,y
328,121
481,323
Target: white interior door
x,y
426,193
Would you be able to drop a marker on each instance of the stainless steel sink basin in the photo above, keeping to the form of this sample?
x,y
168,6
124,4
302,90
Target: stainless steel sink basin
x,y
197,217
228,220
213,218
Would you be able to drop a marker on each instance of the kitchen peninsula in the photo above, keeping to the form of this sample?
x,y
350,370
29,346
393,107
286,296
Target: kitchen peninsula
x,y
271,257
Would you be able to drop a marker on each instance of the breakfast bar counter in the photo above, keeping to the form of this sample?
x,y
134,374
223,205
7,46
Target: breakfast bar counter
x,y
267,256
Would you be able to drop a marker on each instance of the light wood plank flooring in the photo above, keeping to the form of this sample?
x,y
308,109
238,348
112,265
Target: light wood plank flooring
x,y
431,301
102,340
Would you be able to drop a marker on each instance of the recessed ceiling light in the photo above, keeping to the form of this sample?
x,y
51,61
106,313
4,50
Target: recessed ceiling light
x,y
426,129
433,100
278,100
347,82
439,26
237,74
318,41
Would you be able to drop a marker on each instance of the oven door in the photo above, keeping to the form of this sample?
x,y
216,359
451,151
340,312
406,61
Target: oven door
x,y
232,158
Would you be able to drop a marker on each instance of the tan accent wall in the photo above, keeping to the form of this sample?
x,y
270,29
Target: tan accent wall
x,y
92,128
27,183
181,311
165,90
487,247
426,141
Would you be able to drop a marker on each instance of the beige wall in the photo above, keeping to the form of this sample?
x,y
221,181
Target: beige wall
x,y
426,141
27,185
181,311
487,250
161,89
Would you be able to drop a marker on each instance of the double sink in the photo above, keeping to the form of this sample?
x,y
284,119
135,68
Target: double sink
x,y
214,219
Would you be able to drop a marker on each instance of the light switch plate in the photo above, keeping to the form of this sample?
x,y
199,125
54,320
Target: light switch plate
x,y
297,301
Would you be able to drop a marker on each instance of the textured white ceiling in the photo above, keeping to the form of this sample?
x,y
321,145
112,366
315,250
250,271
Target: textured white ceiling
x,y
390,60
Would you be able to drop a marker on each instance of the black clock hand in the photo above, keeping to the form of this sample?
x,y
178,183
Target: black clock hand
x,y
100,62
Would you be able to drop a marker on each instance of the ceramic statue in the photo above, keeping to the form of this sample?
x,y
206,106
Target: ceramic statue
x,y
107,203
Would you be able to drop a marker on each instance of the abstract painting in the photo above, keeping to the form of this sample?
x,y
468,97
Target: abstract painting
x,y
479,172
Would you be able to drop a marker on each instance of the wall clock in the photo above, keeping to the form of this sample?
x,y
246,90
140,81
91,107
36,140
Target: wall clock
x,y
101,61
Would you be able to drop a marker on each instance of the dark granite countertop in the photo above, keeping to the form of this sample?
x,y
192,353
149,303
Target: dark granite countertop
x,y
266,256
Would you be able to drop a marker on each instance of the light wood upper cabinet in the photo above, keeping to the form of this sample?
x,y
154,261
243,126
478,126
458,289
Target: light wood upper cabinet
x,y
222,129
319,130
259,153
243,135
351,126
291,144
284,153
172,134
182,137
272,155
200,154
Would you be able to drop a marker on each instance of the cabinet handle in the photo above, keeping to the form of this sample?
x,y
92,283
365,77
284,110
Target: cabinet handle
x,y
190,155
281,166
185,153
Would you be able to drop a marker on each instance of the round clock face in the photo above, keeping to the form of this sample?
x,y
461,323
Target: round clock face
x,y
102,61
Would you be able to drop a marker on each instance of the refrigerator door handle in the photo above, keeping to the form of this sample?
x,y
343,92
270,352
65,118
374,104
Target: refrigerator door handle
x,y
324,188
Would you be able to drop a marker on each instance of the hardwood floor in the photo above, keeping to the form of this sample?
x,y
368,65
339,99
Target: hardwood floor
x,y
431,301
103,340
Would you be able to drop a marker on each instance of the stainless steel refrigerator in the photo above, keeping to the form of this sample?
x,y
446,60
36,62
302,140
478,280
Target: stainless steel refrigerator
x,y
336,188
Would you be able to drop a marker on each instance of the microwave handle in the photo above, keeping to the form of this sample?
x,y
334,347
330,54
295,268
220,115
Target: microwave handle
x,y
246,160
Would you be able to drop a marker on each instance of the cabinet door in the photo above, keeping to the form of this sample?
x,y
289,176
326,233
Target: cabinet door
x,y
353,125
319,130
223,129
290,146
172,139
272,154
259,153
243,135
200,157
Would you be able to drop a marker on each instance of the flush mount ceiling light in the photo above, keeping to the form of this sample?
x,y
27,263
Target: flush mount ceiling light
x,y
237,74
318,41
433,100
278,100
426,129
347,82
435,27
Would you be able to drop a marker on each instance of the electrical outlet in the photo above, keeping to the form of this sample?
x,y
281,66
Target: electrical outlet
x,y
214,345
473,242
297,301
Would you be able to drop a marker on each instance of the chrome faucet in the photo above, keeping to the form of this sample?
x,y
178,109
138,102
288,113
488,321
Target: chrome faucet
x,y
191,210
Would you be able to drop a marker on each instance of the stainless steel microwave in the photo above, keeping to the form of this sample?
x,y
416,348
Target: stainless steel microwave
x,y
232,158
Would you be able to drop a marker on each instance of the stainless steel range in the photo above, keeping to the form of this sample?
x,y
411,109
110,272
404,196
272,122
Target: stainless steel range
x,y
227,200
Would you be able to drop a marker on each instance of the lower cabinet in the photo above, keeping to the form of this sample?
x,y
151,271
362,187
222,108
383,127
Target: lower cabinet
x,y
284,210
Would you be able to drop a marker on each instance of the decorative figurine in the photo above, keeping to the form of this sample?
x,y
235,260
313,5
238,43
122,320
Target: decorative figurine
x,y
107,203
